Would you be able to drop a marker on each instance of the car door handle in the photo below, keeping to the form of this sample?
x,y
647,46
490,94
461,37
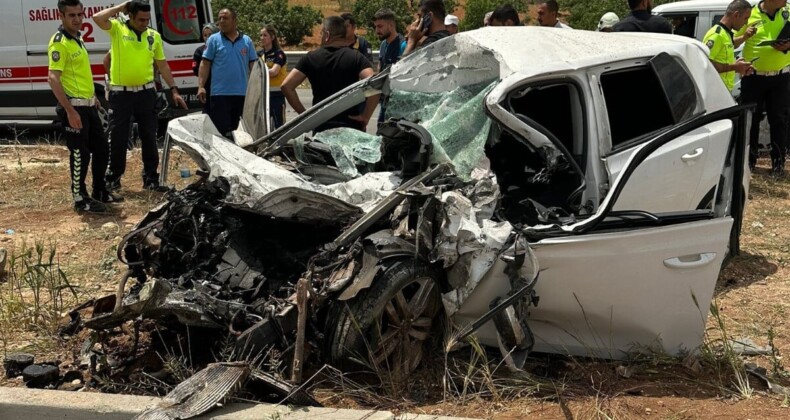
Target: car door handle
x,y
690,261
696,154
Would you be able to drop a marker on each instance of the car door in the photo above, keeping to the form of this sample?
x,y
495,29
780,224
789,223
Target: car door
x,y
681,175
622,281
619,286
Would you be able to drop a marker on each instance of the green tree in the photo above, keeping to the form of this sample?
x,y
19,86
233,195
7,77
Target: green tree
x,y
477,9
585,14
293,22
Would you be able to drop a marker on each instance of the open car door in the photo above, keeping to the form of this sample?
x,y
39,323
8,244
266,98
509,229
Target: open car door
x,y
255,119
631,279
627,279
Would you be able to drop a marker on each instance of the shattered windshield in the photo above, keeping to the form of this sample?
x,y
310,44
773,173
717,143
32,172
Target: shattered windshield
x,y
455,119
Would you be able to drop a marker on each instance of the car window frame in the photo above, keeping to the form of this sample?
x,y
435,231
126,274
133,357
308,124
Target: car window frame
x,y
606,148
585,133
738,149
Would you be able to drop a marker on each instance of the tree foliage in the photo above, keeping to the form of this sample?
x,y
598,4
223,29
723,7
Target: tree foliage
x,y
293,22
476,10
585,14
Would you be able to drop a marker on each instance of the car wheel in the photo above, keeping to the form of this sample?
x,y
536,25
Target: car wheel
x,y
388,326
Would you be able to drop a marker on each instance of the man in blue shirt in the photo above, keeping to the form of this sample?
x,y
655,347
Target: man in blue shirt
x,y
392,43
229,57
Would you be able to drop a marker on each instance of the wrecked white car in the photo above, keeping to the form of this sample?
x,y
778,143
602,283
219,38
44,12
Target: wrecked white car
x,y
555,191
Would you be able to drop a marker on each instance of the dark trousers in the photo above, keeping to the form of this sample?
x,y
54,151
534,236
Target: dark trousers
x,y
123,106
84,144
277,108
225,112
769,93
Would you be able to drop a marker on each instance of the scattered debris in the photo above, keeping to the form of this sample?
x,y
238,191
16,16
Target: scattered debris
x,y
15,363
3,259
200,393
692,362
624,371
43,160
745,346
762,373
40,376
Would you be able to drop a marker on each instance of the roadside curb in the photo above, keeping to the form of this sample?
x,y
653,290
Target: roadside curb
x,y
34,404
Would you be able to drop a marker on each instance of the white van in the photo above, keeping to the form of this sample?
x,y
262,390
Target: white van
x,y
26,27
693,18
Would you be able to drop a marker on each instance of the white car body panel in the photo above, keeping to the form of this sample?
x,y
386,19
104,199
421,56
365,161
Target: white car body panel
x,y
601,293
677,176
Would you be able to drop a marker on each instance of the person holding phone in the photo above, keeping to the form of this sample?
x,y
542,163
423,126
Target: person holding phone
x,y
769,85
722,43
428,27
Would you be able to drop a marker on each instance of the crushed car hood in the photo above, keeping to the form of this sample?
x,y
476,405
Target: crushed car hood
x,y
264,187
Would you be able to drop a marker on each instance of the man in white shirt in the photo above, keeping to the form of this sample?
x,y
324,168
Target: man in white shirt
x,y
547,15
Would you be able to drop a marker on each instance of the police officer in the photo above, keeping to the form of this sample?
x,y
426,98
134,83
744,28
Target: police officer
x,y
135,49
72,84
722,42
769,86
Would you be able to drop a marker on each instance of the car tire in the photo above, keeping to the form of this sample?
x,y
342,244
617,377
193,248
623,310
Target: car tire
x,y
375,330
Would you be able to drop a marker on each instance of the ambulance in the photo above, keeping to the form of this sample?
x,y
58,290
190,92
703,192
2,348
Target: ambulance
x,y
26,27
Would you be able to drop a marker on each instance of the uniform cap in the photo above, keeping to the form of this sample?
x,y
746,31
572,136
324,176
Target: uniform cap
x,y
608,20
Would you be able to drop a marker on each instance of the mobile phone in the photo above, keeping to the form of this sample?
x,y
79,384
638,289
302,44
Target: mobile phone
x,y
426,22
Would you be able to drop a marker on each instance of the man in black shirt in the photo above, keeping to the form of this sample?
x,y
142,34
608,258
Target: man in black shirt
x,y
429,26
354,41
641,20
330,69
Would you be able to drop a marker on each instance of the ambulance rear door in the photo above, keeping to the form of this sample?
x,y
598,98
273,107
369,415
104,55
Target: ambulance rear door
x,y
180,23
15,81
42,20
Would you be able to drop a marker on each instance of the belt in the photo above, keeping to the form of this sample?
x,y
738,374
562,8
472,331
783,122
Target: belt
x,y
773,73
82,102
149,85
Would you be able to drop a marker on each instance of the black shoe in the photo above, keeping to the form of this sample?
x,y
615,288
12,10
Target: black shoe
x,y
114,185
107,197
154,186
89,205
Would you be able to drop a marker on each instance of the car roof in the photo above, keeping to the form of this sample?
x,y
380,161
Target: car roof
x,y
695,6
533,50
508,55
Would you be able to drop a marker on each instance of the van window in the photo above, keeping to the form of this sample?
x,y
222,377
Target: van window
x,y
683,24
644,99
180,21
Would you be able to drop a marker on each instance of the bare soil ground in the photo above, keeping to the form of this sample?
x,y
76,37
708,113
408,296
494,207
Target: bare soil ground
x,y
753,297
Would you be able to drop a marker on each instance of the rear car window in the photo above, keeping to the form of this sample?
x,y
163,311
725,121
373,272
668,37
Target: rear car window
x,y
647,98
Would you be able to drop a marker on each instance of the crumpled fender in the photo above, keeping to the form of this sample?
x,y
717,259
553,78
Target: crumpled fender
x,y
378,248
